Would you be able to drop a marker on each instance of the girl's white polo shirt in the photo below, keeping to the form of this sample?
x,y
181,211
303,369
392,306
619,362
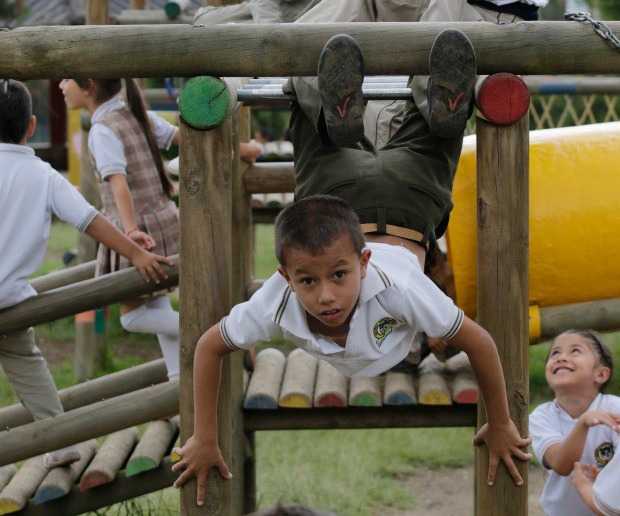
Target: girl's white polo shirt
x,y
397,303
551,424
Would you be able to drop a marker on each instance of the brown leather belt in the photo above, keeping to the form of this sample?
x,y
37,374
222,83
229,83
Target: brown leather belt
x,y
397,231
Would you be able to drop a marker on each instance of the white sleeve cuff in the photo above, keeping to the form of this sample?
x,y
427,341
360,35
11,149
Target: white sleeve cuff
x,y
456,325
90,216
225,336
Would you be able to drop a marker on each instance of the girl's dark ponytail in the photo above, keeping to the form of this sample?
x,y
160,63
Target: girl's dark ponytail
x,y
137,107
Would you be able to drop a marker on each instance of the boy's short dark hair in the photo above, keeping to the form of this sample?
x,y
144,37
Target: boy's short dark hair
x,y
314,223
599,348
15,110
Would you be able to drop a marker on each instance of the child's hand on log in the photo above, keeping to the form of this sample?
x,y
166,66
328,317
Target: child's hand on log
x,y
197,458
503,442
148,265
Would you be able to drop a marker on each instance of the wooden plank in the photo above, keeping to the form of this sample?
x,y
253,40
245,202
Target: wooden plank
x,y
503,202
414,416
98,389
277,177
120,490
248,50
85,295
90,421
109,459
205,200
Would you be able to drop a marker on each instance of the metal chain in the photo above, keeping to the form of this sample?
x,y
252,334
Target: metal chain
x,y
601,28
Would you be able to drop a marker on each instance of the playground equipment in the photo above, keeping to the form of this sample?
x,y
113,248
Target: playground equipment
x,y
213,280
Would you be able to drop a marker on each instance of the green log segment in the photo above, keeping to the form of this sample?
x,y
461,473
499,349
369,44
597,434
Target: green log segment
x,y
155,442
249,50
82,296
204,102
92,391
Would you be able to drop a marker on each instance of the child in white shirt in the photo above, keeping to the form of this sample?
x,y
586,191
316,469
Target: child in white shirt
x,y
599,489
580,424
360,307
30,192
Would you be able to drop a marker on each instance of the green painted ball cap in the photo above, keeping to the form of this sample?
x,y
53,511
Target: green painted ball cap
x,y
172,10
204,102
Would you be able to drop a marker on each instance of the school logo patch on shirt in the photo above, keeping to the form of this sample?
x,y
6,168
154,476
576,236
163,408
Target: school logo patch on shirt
x,y
603,454
383,328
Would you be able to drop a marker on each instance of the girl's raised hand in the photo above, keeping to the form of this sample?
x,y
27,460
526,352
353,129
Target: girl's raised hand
x,y
600,417
144,240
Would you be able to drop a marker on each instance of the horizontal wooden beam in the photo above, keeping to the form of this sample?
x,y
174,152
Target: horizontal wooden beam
x,y
149,17
63,277
87,422
603,315
360,417
123,488
81,296
248,50
92,391
276,177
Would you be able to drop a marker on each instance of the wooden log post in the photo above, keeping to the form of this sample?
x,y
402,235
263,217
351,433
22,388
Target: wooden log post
x,y
503,200
299,377
22,486
59,481
365,392
155,442
264,388
138,4
206,287
331,386
89,354
109,459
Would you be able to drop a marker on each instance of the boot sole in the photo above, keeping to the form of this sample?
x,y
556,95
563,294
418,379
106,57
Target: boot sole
x,y
340,78
452,66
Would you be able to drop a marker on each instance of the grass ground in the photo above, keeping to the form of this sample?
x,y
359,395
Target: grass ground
x,y
358,472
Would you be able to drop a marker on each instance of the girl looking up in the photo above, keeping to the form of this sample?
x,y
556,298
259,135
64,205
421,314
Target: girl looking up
x,y
124,143
581,424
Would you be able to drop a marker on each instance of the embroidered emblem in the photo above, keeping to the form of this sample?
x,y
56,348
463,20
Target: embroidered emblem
x,y
383,328
603,454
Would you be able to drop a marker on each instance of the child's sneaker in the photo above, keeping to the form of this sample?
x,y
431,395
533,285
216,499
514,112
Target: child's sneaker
x,y
452,68
62,457
341,74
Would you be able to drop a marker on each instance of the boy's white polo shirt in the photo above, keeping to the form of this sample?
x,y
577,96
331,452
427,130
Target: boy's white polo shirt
x,y
397,303
551,424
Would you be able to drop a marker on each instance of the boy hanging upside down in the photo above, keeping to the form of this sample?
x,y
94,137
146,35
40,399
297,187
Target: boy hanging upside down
x,y
350,288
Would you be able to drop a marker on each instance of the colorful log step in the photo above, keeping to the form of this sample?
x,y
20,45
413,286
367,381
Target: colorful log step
x,y
464,384
22,486
365,392
433,387
331,386
298,383
59,481
109,459
153,446
264,387
399,389
204,102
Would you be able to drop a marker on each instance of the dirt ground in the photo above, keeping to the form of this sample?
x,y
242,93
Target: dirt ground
x,y
449,492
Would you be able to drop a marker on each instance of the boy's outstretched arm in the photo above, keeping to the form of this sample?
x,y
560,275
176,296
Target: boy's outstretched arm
x,y
201,451
501,435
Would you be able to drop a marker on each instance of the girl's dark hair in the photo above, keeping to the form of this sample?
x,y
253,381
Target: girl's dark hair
x,y
105,89
314,223
599,348
15,110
